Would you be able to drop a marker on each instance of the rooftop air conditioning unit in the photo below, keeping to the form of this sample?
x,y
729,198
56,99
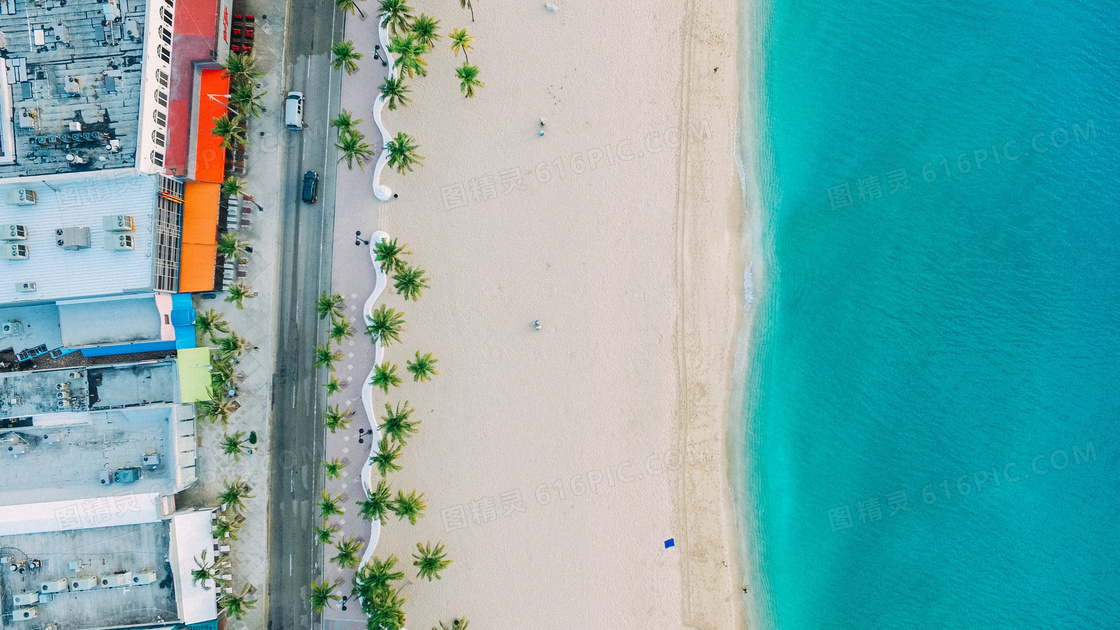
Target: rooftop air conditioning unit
x,y
52,438
76,375
25,599
114,580
17,449
23,614
54,586
13,232
21,196
25,287
83,583
72,237
119,223
14,327
119,242
144,577
15,251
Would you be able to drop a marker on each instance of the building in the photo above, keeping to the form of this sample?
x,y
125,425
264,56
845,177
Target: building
x,y
89,530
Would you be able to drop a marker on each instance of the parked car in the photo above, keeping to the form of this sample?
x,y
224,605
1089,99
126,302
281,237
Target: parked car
x,y
310,187
293,111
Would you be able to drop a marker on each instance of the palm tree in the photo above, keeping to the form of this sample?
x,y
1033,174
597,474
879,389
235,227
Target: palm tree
x,y
344,122
235,495
387,455
329,305
218,406
385,376
345,57
423,367
468,79
457,624
229,246
377,505
322,594
425,29
351,6
395,14
410,282
390,255
245,99
323,534
228,527
334,385
334,419
210,322
384,609
466,4
238,292
233,185
334,468
409,506
395,92
461,41
430,560
325,358
232,346
348,557
237,604
229,130
402,153
340,329
376,575
386,324
328,507
234,445
205,571
239,68
395,423
353,148
410,55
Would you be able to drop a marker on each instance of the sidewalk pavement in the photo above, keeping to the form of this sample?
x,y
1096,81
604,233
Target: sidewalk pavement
x,y
257,323
356,209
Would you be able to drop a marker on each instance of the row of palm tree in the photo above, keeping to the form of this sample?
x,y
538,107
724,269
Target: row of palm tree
x,y
408,281
373,587
234,603
244,100
422,369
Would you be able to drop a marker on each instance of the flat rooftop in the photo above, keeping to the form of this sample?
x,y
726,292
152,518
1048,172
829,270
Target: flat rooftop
x,y
59,272
74,85
82,553
65,463
68,391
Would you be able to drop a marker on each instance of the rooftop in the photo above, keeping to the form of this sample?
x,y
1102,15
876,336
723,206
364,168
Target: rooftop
x,y
28,394
92,553
73,85
61,272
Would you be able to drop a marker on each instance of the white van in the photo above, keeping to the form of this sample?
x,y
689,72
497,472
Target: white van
x,y
293,110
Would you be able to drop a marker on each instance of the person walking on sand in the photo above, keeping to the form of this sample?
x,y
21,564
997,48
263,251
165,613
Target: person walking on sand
x,y
537,324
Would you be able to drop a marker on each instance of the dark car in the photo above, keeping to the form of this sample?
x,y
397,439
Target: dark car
x,y
310,187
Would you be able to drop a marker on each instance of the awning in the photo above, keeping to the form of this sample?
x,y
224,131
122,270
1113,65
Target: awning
x,y
209,156
194,374
200,237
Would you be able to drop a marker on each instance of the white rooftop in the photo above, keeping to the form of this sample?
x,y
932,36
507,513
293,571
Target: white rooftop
x,y
192,534
57,516
60,273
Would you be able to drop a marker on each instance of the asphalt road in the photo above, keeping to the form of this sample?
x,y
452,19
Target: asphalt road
x,y
298,399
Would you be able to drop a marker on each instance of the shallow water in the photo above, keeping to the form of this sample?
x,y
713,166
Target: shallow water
x,y
931,396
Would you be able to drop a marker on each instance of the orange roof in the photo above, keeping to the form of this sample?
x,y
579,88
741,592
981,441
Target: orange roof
x,y
209,156
196,267
200,235
200,212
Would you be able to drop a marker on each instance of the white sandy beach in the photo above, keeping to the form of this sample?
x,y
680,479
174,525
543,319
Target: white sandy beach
x,y
634,268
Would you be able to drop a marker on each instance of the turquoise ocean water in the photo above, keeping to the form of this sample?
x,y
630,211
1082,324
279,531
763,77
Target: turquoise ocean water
x,y
933,382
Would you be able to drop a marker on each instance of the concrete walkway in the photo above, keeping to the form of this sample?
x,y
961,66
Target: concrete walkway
x,y
356,209
257,323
